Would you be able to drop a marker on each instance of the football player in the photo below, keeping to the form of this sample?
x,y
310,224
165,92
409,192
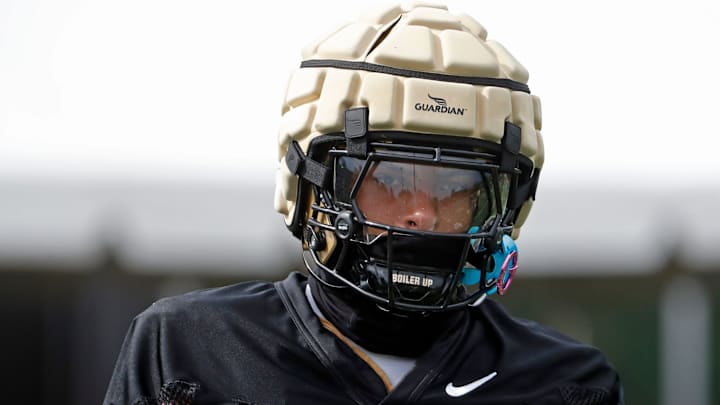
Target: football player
x,y
410,152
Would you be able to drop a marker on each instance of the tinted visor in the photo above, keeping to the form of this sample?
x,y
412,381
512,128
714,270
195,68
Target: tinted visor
x,y
421,196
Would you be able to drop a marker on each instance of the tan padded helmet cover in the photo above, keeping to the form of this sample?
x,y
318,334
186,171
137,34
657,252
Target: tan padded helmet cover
x,y
419,37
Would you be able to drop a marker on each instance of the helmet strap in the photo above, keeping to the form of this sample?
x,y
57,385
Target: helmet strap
x,y
311,170
511,142
356,129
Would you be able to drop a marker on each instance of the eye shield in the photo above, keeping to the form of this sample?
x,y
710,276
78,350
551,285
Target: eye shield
x,y
412,194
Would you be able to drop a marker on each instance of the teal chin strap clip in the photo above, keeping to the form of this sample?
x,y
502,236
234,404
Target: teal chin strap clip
x,y
504,265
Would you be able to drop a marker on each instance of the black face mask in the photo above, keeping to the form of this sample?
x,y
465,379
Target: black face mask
x,y
429,258
380,331
422,267
441,254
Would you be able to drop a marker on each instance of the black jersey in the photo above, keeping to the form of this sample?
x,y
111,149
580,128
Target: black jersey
x,y
261,343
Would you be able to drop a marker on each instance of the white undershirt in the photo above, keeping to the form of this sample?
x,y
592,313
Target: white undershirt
x,y
395,367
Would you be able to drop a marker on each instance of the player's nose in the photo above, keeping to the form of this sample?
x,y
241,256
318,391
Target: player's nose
x,y
420,212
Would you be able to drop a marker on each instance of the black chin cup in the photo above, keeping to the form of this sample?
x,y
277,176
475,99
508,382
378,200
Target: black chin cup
x,y
414,269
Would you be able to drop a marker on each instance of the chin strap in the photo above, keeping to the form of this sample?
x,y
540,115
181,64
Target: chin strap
x,y
499,267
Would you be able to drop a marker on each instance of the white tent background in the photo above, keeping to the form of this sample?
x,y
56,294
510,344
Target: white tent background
x,y
177,89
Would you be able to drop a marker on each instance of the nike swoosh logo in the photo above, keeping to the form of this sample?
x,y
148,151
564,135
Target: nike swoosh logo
x,y
454,391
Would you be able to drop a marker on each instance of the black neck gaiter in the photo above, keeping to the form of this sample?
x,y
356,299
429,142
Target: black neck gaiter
x,y
380,331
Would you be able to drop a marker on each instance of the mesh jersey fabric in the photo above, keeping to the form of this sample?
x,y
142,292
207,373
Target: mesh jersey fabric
x,y
261,343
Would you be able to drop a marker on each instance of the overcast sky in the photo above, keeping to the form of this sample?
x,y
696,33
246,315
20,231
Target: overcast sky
x,y
191,88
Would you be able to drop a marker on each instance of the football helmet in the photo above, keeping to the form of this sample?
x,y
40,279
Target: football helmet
x,y
409,151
